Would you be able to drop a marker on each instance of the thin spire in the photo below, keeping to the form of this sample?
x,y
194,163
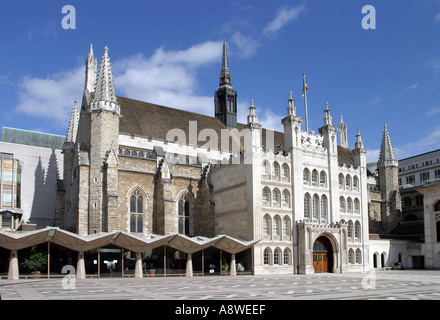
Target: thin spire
x,y
387,156
328,117
91,64
343,133
73,123
291,109
252,117
225,75
359,144
105,94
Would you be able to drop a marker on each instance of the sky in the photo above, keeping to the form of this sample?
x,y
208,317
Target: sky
x,y
372,67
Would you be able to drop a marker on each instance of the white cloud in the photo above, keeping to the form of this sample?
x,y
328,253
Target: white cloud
x,y
373,155
166,78
376,100
413,86
284,16
50,98
437,18
434,64
433,111
430,142
246,46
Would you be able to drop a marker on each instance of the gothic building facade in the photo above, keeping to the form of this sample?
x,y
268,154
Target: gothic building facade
x,y
300,198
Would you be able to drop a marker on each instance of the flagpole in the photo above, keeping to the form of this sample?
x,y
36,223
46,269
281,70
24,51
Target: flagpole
x,y
305,99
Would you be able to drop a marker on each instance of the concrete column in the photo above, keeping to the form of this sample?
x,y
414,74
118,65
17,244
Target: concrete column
x,y
13,273
189,265
233,267
138,272
80,266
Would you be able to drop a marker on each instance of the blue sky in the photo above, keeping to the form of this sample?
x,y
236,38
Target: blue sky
x,y
169,53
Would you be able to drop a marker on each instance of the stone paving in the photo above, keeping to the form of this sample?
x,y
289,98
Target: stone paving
x,y
376,285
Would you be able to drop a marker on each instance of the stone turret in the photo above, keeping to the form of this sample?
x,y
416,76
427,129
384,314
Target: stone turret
x,y
388,183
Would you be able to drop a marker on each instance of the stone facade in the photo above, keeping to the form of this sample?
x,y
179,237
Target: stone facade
x,y
131,168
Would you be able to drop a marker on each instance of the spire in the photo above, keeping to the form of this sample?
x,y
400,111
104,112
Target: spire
x,y
73,123
225,75
291,109
387,156
225,99
359,144
91,64
252,117
105,94
343,133
328,117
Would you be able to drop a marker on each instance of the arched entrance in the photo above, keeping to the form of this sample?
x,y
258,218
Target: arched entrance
x,y
322,255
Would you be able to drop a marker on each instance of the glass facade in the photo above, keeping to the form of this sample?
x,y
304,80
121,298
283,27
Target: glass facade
x,y
10,189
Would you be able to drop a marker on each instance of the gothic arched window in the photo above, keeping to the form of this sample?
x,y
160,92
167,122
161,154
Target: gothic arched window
x,y
184,215
136,212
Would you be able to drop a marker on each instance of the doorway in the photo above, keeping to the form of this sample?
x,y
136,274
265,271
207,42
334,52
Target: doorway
x,y
322,255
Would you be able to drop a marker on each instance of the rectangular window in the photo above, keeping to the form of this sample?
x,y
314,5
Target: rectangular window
x,y
437,174
410,179
424,176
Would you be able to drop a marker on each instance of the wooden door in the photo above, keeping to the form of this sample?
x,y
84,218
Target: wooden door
x,y
322,255
320,262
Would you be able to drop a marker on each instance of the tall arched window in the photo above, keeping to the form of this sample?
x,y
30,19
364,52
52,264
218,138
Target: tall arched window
x,y
286,255
307,200
265,167
286,226
315,207
266,257
306,176
184,215
276,226
275,170
275,196
358,256
136,212
356,205
285,172
355,183
341,204
315,177
324,207
341,181
357,230
285,197
276,256
349,205
266,195
350,229
348,182
266,225
350,256
323,179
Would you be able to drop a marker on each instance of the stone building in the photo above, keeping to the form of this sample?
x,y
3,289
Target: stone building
x,y
144,169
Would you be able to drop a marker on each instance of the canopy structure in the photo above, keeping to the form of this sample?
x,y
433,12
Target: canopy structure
x,y
137,243
17,240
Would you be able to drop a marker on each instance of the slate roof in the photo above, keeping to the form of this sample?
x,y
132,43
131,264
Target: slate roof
x,y
154,121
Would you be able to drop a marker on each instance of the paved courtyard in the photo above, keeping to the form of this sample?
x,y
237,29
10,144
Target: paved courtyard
x,y
382,285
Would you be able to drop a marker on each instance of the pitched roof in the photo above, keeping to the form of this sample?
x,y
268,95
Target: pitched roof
x,y
155,121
